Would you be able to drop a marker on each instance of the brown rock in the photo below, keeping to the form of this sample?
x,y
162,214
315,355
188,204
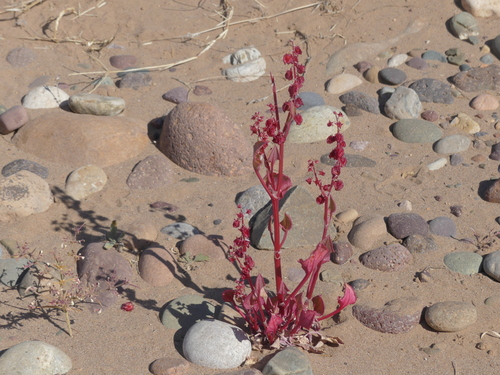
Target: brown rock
x,y
201,138
492,193
198,244
389,258
371,75
484,102
151,173
342,252
123,61
169,366
157,266
139,235
76,140
478,79
13,119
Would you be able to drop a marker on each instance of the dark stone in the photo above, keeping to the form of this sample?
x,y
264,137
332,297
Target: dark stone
x,y
456,159
417,244
434,55
431,90
123,61
495,152
402,225
176,95
200,90
135,80
359,284
342,252
23,164
362,66
392,76
478,79
456,210
362,101
417,63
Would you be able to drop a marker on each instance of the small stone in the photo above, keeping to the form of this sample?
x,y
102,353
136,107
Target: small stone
x,y
464,67
435,56
342,83
418,244
396,316
455,56
389,258
397,60
97,105
295,275
198,244
20,57
287,362
351,110
496,45
438,164
479,158
492,193
176,95
253,199
248,65
416,131
362,101
392,76
153,172
123,61
450,316
12,119
484,102
347,216
362,66
169,366
417,63
353,161
372,74
452,144
406,205
491,265
342,252
430,115
135,80
215,344
183,312
45,97
358,145
456,159
481,8
367,232
464,25
180,230
487,59
495,152
359,284
157,266
402,225
466,124
403,103
464,262
456,210
492,301
200,90
85,181
431,90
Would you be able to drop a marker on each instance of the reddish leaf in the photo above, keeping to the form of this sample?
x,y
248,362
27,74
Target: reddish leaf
x,y
331,206
318,305
286,223
258,151
228,295
318,257
272,327
306,319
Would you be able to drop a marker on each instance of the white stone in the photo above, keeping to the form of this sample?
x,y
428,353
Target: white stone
x,y
247,72
342,83
314,124
45,97
242,56
215,344
34,358
482,8
438,164
347,216
403,103
98,105
397,60
367,232
491,265
85,181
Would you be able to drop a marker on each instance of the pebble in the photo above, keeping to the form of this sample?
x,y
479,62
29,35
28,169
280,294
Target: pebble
x,y
464,262
201,90
402,225
215,344
342,252
351,110
85,181
289,361
153,172
123,61
20,57
367,232
358,145
492,193
347,216
342,83
431,90
464,25
487,59
438,164
484,102
389,258
13,118
23,164
157,266
253,199
184,311
403,103
464,67
491,265
310,99
478,79
190,137
479,158
450,316
396,316
452,144
11,270
397,60
430,115
482,8
362,101
466,124
135,80
139,235
363,66
314,125
353,161
417,63
455,56
416,131
456,159
494,300
248,65
34,358
23,194
98,105
169,366
418,244
44,97
434,56
199,244
359,284
495,152
372,74
176,95
180,230
392,76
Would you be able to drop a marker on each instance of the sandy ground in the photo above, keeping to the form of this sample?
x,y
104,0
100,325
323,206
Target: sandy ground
x,y
117,342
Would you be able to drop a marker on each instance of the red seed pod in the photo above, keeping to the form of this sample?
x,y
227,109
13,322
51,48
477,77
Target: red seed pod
x,y
127,306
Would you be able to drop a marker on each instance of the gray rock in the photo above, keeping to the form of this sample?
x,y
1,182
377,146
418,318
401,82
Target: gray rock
x,y
123,61
98,105
34,358
176,95
20,57
13,118
464,25
487,59
417,63
183,312
443,226
289,361
215,344
253,199
307,221
362,101
389,258
435,56
23,194
153,172
157,266
367,232
417,244
23,164
85,181
403,103
450,316
464,262
11,270
452,144
392,76
353,161
495,152
491,265
396,316
359,284
431,90
402,225
310,99
416,131
455,56
496,46
135,80
456,159
180,230
45,97
478,79
314,126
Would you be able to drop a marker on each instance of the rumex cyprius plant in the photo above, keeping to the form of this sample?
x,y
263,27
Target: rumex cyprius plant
x,y
286,317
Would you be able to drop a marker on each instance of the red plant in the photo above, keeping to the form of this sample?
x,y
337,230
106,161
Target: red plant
x,y
277,319
127,306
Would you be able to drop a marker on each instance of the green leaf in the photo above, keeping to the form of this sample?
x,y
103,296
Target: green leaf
x,y
108,245
201,258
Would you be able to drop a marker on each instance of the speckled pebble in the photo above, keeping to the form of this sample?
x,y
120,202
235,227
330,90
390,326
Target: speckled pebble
x,y
362,101
363,66
431,90
359,284
487,59
495,152
389,258
484,102
456,159
450,316
452,144
135,80
443,226
153,172
342,252
402,225
416,131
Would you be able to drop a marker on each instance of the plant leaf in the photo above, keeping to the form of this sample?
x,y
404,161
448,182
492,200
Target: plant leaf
x,y
306,319
228,296
201,258
318,305
286,223
332,207
258,151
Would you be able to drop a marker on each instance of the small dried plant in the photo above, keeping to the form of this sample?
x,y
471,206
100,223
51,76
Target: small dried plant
x,y
286,317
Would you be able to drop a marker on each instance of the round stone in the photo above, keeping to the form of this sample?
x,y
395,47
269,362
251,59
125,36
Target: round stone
x,y
492,192
392,76
215,344
342,83
491,265
464,25
484,102
416,243
45,97
85,181
342,252
397,60
21,56
13,118
450,316
389,258
430,115
443,226
404,103
310,99
402,225
417,63
464,262
482,8
434,55
367,232
157,266
371,74
123,61
452,144
361,100
176,95
416,131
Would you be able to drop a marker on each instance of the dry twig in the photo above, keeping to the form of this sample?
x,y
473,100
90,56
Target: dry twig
x,y
21,7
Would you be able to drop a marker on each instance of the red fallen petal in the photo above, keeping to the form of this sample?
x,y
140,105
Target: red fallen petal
x,y
127,306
